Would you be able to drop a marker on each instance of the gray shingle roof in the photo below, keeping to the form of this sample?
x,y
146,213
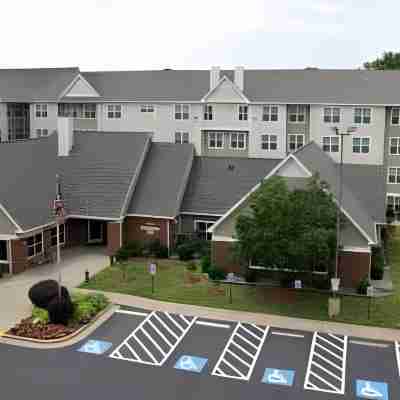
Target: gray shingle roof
x,y
163,180
214,187
95,178
26,85
362,211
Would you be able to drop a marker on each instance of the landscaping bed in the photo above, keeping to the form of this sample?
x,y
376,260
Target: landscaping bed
x,y
86,308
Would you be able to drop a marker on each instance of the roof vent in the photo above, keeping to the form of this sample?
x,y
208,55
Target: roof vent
x,y
231,167
167,69
311,68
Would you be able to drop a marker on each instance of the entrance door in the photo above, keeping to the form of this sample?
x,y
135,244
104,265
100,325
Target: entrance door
x,y
95,231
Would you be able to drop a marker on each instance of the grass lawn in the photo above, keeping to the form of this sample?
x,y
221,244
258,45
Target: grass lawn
x,y
172,284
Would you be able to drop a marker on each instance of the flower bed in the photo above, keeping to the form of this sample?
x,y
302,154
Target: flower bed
x,y
37,326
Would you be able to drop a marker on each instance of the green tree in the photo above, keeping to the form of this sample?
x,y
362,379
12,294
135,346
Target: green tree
x,y
389,60
288,229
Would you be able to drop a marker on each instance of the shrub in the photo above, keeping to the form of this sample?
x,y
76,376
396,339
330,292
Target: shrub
x,y
362,286
162,252
286,282
87,306
40,315
322,284
250,275
205,263
190,249
134,248
122,255
377,264
216,274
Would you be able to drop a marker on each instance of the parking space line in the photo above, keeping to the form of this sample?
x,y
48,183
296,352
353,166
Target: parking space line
x,y
294,335
326,369
397,351
213,324
158,347
173,321
128,312
233,353
371,344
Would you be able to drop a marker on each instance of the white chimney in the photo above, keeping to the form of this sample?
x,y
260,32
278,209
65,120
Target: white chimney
x,y
65,136
214,77
239,77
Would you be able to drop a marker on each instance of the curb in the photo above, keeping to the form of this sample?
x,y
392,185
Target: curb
x,y
65,341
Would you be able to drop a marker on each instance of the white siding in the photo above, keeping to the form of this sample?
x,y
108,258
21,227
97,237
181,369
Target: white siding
x,y
49,123
3,122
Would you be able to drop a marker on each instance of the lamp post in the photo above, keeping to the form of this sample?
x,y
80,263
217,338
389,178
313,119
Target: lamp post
x,y
336,281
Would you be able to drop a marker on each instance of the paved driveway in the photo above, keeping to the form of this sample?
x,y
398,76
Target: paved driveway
x,y
14,290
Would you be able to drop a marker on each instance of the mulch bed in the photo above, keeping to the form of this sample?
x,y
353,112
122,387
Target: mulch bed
x,y
26,328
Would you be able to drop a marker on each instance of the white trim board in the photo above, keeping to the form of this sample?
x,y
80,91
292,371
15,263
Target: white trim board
x,y
8,215
70,86
234,87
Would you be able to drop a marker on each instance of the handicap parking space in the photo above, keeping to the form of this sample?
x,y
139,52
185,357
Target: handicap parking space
x,y
372,370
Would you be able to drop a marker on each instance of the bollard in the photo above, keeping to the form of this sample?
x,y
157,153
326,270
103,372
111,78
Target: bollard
x,y
86,276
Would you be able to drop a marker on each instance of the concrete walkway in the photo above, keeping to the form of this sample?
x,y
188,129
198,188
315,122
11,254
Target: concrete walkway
x,y
14,300
262,319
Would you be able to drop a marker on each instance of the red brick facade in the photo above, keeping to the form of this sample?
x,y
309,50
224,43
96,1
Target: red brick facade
x,y
114,237
221,256
19,256
353,267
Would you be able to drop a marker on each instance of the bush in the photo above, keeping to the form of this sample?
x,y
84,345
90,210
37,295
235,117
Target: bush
x,y
322,284
190,249
362,286
377,264
250,275
87,306
162,252
205,263
286,282
40,315
134,248
122,255
216,274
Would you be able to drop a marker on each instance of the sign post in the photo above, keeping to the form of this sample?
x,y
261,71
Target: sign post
x,y
152,271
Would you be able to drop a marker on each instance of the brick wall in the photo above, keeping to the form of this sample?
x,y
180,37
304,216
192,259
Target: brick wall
x,y
138,228
353,267
76,232
113,237
19,256
221,256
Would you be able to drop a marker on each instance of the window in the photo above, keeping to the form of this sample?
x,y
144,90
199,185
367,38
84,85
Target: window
x,y
35,245
181,111
362,115
330,144
181,137
331,115
395,116
269,142
361,145
394,175
147,108
215,140
208,112
243,113
270,113
238,141
114,111
89,111
42,132
395,146
53,235
393,203
3,250
297,113
75,110
41,110
202,227
295,142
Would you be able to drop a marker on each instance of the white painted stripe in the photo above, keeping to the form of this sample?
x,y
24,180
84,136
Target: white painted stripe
x,y
256,327
160,333
147,351
397,352
246,340
167,328
371,344
250,333
238,358
328,351
128,312
242,349
330,343
174,322
232,368
295,335
336,337
213,324
131,350
334,388
327,371
329,362
156,345
258,352
183,317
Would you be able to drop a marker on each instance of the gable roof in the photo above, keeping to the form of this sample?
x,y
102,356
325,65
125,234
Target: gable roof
x,y
96,178
79,87
237,95
214,187
163,180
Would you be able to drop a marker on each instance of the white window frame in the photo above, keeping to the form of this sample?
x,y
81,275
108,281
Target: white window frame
x,y
208,112
266,140
35,254
112,111
241,113
216,134
181,136
397,145
181,112
196,221
396,204
396,176
331,115
361,138
397,109
147,108
330,145
362,115
54,236
42,132
41,111
297,135
297,113
267,113
237,135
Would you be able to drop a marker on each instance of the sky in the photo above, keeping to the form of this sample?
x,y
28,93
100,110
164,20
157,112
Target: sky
x,y
156,34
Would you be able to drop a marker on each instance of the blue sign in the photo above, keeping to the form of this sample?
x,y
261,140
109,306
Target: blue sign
x,y
95,347
274,376
372,390
191,363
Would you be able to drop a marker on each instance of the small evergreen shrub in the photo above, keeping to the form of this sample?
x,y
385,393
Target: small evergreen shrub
x,y
205,264
377,264
216,274
250,275
363,285
40,315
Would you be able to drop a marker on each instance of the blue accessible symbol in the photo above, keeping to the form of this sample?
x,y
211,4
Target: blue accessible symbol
x,y
275,376
191,363
95,347
372,390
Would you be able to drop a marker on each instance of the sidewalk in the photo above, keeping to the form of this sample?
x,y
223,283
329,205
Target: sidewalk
x,y
277,321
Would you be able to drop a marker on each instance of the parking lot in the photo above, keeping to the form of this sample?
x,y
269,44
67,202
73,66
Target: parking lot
x,y
177,356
